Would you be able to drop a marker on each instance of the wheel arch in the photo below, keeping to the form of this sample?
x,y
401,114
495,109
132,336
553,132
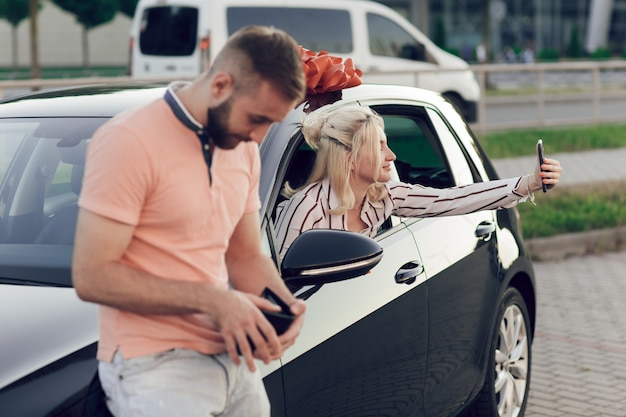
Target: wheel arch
x,y
524,284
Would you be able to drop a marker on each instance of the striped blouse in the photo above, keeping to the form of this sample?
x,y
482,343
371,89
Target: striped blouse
x,y
309,208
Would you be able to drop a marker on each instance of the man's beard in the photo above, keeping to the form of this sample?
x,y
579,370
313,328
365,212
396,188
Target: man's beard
x,y
218,126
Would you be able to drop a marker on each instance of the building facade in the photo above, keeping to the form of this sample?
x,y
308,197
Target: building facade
x,y
502,25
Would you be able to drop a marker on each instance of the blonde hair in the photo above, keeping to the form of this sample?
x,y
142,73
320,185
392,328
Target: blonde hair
x,y
339,136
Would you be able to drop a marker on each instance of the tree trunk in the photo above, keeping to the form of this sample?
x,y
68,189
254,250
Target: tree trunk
x,y
85,50
35,68
14,48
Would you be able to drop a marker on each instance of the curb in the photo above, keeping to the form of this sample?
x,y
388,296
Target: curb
x,y
560,247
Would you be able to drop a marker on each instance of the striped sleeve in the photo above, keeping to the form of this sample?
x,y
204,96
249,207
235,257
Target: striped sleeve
x,y
306,210
414,200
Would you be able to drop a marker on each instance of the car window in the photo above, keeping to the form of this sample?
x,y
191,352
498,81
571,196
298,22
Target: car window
x,y
390,40
413,139
43,170
301,23
11,135
168,31
461,171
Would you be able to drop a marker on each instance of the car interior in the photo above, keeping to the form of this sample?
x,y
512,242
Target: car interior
x,y
42,180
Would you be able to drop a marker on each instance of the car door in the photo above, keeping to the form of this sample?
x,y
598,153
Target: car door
x,y
362,350
459,255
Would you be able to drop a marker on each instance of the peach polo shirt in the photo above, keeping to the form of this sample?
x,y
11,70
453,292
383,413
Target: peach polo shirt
x,y
146,168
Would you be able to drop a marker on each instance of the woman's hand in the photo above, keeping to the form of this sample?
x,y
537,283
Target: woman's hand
x,y
549,173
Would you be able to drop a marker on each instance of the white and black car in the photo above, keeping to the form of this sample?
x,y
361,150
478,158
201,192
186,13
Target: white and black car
x,y
441,325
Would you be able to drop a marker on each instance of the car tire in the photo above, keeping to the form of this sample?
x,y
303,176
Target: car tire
x,y
507,381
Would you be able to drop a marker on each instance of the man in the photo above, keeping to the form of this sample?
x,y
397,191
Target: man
x,y
168,238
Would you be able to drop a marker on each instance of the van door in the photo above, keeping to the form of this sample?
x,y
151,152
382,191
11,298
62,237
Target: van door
x,y
166,42
394,49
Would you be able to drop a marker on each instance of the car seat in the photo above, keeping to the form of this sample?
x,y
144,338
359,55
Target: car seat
x,y
60,228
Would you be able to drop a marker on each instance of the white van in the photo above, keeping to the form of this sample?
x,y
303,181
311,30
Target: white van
x,y
179,38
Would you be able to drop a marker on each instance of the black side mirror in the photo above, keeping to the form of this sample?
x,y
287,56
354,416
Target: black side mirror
x,y
320,256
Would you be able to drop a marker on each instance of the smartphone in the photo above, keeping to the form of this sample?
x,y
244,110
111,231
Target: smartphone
x,y
281,320
544,187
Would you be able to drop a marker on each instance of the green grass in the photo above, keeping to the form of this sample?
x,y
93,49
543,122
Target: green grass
x,y
516,143
575,209
62,72
566,209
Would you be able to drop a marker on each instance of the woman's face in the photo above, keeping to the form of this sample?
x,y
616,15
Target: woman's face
x,y
367,169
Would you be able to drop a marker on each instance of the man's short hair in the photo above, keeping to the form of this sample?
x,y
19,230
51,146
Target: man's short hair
x,y
266,53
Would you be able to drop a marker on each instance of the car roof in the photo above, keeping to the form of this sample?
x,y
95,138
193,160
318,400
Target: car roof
x,y
84,101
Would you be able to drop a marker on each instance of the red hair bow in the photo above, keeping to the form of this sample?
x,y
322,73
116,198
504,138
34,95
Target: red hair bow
x,y
326,74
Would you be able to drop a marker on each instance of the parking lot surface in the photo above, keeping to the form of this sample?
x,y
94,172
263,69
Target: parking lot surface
x,y
579,353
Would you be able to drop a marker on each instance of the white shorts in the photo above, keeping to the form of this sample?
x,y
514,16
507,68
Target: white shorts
x,y
182,382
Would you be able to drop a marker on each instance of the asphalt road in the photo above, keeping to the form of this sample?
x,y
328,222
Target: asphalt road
x,y
579,351
581,107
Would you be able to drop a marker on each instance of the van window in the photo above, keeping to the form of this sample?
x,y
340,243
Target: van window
x,y
168,31
334,35
389,39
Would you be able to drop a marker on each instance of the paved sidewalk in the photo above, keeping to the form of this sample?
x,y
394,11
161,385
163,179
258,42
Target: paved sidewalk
x,y
578,168
579,351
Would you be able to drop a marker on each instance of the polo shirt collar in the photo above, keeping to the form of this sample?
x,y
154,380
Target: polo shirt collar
x,y
188,120
181,113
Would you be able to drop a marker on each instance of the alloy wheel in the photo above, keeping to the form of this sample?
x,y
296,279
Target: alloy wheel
x,y
511,362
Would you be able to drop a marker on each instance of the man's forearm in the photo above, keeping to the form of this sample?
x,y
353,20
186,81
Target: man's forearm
x,y
125,288
255,273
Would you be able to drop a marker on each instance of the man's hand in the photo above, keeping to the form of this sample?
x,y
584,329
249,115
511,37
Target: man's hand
x,y
298,307
239,320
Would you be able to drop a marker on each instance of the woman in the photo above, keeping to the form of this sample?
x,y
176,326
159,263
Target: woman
x,y
350,186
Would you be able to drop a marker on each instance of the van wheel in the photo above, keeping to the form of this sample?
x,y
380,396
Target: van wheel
x,y
507,380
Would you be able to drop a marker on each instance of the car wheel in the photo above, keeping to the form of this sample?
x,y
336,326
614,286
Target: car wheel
x,y
508,372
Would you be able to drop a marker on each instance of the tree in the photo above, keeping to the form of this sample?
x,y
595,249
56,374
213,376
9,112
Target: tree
x,y
574,45
14,11
89,14
128,7
440,33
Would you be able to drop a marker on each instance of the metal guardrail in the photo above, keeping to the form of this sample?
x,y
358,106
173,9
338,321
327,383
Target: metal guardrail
x,y
539,83
552,84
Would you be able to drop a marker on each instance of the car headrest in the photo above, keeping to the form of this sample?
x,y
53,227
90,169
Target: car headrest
x,y
74,154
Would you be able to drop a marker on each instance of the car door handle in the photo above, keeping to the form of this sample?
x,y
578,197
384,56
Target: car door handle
x,y
407,274
484,229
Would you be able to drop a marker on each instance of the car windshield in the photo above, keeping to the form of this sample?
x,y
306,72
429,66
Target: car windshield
x,y
41,168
